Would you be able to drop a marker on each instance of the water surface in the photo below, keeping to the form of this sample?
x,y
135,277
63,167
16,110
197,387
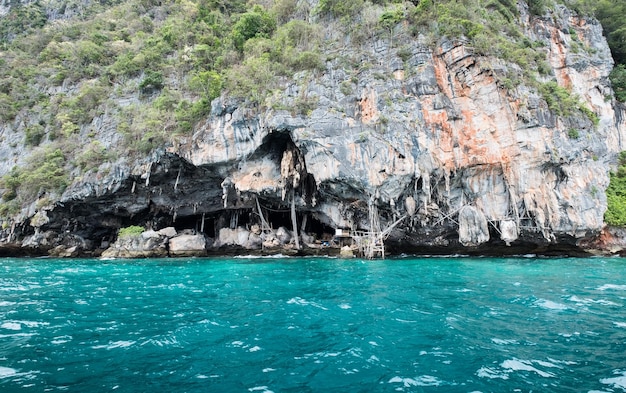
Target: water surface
x,y
313,325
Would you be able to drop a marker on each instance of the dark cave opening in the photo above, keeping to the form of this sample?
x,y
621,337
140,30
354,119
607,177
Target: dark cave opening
x,y
233,218
320,230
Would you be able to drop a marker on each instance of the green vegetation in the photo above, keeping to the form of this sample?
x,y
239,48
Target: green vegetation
x,y
573,133
131,231
43,174
563,103
618,79
610,13
616,195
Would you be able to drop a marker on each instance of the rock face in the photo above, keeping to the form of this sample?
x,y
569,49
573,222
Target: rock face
x,y
188,245
473,227
436,137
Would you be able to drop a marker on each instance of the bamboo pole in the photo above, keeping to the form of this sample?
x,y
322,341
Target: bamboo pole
x,y
294,221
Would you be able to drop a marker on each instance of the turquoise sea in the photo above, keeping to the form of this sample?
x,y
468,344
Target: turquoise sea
x,y
313,325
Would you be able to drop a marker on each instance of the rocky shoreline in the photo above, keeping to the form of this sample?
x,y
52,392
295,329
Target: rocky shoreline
x,y
168,242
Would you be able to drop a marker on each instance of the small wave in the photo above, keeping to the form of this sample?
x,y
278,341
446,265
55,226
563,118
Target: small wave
x,y
273,256
73,270
268,370
487,372
405,320
60,340
115,344
11,326
613,287
587,301
318,355
620,324
25,335
6,372
500,341
524,365
17,325
564,362
262,389
345,306
616,382
424,380
303,302
550,305
161,341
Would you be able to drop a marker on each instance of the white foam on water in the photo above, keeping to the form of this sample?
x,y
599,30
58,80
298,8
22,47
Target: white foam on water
x,y
161,341
11,326
405,320
424,380
620,324
262,389
487,372
345,371
373,343
613,287
17,335
60,340
318,355
268,370
524,365
546,364
616,382
115,344
587,301
565,362
303,302
254,349
500,341
5,303
261,256
6,372
33,324
550,305
345,306
72,270
568,335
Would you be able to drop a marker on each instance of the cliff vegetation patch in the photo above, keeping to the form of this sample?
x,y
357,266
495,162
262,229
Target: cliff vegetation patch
x,y
616,195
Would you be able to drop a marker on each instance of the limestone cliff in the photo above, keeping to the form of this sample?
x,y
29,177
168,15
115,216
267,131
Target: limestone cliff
x,y
434,136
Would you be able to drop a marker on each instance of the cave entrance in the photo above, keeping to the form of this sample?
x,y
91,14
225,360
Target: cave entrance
x,y
194,223
317,228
